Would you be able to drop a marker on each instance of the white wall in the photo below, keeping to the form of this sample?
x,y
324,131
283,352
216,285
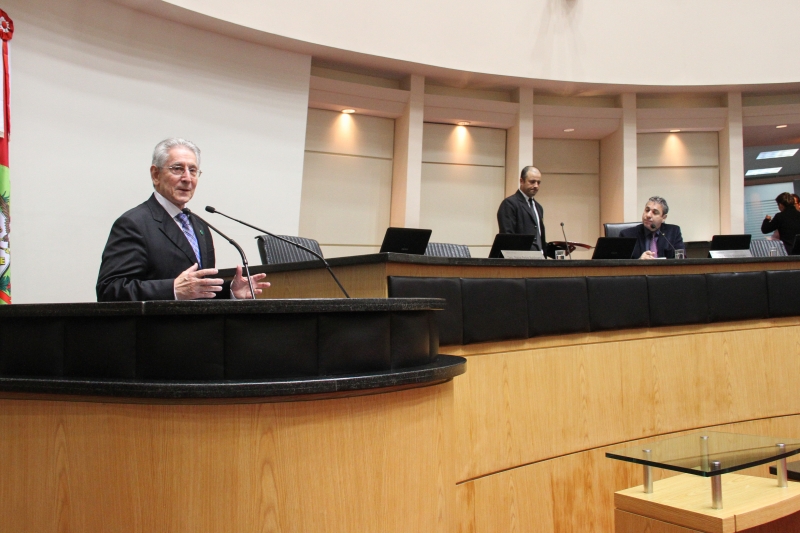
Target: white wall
x,y
463,182
713,42
683,168
570,190
347,182
94,87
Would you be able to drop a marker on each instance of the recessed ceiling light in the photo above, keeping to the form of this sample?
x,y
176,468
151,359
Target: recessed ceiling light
x,y
463,123
568,130
674,131
763,171
777,153
348,111
782,126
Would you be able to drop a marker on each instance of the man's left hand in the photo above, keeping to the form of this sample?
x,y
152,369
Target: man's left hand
x,y
241,288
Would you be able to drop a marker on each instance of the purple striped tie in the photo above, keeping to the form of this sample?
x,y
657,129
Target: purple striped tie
x,y
188,230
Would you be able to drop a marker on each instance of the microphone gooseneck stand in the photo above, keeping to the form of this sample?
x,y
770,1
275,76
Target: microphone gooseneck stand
x,y
312,252
566,242
661,234
188,212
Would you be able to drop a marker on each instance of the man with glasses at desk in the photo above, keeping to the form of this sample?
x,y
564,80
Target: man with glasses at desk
x,y
156,251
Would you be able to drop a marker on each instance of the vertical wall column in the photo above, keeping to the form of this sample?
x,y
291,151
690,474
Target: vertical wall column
x,y
407,163
519,140
618,168
731,169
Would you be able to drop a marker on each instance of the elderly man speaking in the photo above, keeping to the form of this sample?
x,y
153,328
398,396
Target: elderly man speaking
x,y
156,251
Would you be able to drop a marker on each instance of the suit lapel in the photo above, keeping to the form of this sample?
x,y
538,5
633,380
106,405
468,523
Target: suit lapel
x,y
524,201
169,228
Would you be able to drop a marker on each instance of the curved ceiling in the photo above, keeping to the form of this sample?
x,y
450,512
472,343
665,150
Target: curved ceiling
x,y
614,42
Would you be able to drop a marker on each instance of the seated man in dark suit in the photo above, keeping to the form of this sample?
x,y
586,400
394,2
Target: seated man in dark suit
x,y
520,213
157,252
654,237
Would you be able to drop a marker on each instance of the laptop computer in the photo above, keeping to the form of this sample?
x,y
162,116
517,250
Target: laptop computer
x,y
406,241
509,241
730,242
614,248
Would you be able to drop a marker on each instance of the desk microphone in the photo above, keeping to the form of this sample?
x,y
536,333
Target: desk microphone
x,y
566,242
188,212
661,234
309,250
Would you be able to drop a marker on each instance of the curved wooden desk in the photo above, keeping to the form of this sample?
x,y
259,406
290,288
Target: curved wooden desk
x,y
334,452
534,417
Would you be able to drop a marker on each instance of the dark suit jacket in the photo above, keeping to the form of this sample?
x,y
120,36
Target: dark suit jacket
x,y
671,231
146,251
515,216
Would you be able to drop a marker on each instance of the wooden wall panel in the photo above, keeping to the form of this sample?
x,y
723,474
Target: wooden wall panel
x,y
374,463
525,406
574,492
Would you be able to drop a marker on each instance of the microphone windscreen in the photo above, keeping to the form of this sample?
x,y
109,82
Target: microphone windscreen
x,y
652,226
186,211
210,209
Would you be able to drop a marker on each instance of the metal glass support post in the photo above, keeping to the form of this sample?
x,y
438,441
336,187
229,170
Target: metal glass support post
x,y
716,486
704,453
780,466
648,474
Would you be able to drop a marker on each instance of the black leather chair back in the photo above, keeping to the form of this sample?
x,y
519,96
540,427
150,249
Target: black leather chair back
x,y
613,229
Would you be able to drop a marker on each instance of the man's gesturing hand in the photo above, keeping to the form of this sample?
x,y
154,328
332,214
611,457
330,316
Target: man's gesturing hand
x,y
241,288
192,284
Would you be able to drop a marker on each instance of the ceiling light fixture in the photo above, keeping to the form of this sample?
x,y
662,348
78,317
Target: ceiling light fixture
x,y
674,131
568,130
348,111
763,171
777,153
782,126
463,123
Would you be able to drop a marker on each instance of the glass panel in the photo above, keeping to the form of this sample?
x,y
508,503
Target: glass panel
x,y
693,455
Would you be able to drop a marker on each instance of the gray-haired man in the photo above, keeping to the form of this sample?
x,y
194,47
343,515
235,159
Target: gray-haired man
x,y
654,237
157,252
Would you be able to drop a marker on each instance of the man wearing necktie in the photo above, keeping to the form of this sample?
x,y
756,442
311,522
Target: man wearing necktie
x,y
654,237
520,213
157,252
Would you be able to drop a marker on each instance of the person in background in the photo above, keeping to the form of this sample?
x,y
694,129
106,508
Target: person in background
x,y
654,237
520,213
786,220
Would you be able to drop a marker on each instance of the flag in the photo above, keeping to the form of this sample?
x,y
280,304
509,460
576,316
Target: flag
x,y
6,32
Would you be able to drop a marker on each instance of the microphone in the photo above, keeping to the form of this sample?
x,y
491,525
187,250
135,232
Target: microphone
x,y
566,242
309,250
661,234
188,212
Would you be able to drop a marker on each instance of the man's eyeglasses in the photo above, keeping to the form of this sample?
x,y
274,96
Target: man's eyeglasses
x,y
180,170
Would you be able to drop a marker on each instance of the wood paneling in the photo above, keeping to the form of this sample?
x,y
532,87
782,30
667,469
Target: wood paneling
x,y
685,500
360,281
566,156
633,523
378,463
526,406
574,492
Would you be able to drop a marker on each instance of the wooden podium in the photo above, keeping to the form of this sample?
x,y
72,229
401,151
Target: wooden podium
x,y
682,504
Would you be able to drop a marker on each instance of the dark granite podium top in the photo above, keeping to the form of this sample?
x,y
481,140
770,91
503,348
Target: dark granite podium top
x,y
444,368
475,261
221,307
222,349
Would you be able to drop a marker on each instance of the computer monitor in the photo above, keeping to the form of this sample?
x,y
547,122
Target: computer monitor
x,y
406,241
614,248
510,241
730,242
